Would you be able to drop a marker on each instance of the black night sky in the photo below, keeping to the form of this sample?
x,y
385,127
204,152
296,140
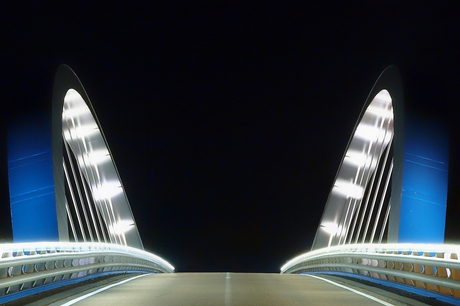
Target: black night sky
x,y
228,120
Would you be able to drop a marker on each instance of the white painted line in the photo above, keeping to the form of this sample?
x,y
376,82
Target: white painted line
x,y
228,290
102,289
352,290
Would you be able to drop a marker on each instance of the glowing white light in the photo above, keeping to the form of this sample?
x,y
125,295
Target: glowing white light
x,y
72,95
367,132
74,106
380,112
107,191
121,227
383,96
330,227
86,130
75,112
356,158
100,156
348,189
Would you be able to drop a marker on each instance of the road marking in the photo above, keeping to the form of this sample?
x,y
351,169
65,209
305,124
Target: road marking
x,y
102,289
228,290
352,290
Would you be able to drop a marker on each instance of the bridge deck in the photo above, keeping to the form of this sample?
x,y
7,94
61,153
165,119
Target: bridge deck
x,y
224,289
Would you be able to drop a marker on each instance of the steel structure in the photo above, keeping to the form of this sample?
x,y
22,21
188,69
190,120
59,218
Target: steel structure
x,y
431,267
391,185
390,189
29,265
96,204
62,175
63,179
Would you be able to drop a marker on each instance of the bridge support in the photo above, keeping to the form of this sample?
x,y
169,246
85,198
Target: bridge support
x,y
35,213
419,210
416,202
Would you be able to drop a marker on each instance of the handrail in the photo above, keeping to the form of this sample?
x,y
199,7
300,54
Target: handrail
x,y
27,265
433,267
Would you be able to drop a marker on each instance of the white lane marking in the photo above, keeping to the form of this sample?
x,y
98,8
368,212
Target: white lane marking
x,y
102,289
228,290
352,290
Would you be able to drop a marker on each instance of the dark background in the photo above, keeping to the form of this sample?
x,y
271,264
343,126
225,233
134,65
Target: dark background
x,y
228,120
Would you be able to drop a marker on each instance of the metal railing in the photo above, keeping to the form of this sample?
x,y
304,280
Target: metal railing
x,y
28,265
431,267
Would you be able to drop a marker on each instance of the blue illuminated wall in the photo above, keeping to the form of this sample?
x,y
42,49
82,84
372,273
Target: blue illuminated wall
x,y
31,182
425,178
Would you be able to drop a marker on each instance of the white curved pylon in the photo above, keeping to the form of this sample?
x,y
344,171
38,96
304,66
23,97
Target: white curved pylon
x,y
78,135
358,207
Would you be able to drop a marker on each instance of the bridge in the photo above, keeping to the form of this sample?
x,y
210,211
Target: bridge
x,y
76,239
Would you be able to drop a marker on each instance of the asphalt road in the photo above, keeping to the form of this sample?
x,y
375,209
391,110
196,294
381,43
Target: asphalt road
x,y
230,289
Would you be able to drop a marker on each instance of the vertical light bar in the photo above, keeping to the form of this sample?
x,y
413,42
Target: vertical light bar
x,y
108,219
351,218
85,189
382,199
115,221
385,221
74,202
366,201
379,181
90,176
345,222
374,146
82,203
72,226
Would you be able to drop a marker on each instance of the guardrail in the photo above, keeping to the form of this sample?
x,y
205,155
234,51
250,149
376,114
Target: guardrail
x,y
28,265
433,267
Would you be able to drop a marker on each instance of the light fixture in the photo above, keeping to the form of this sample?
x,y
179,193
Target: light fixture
x,y
348,189
97,157
356,158
121,227
367,132
331,228
107,190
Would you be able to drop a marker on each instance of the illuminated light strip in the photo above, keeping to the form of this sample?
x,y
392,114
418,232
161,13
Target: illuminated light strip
x,y
374,155
72,226
348,189
367,132
74,202
99,156
356,158
107,217
122,226
366,201
383,96
379,180
350,289
83,131
107,190
96,166
75,112
374,248
374,198
82,203
382,113
376,221
330,227
90,208
81,160
384,224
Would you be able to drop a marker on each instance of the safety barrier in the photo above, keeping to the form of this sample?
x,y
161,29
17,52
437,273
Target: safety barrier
x,y
431,267
28,265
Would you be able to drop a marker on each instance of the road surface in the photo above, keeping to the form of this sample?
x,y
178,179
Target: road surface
x,y
228,289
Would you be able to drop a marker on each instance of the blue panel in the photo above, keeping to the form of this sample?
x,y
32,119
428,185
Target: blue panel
x,y
425,179
31,182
